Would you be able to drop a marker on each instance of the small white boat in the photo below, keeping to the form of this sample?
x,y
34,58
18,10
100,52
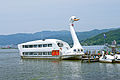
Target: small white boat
x,y
117,57
106,58
53,48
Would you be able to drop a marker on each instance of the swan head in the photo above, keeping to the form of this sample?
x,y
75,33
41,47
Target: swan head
x,y
73,18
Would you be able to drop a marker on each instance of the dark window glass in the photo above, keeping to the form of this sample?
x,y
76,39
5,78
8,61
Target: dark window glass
x,y
78,49
35,46
23,46
49,53
43,53
30,46
35,53
44,45
40,53
74,50
40,45
26,53
49,45
30,53
23,53
60,44
81,50
26,46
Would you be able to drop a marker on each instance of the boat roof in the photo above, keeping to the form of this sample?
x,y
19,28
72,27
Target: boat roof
x,y
44,41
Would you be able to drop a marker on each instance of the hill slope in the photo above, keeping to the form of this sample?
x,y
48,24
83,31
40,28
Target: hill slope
x,y
99,39
63,35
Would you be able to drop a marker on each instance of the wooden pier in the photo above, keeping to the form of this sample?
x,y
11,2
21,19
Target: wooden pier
x,y
90,58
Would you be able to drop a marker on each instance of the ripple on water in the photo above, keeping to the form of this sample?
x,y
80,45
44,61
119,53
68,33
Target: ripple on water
x,y
12,67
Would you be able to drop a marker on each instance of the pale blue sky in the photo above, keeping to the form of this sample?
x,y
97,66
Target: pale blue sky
x,y
29,16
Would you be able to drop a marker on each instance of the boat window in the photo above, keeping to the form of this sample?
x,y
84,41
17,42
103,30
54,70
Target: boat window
x,y
30,53
43,53
40,45
49,53
35,46
30,46
81,50
40,53
60,44
26,53
26,46
35,53
78,50
49,45
23,53
23,46
44,45
74,50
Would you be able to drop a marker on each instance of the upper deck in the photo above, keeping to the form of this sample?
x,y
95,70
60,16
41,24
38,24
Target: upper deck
x,y
44,45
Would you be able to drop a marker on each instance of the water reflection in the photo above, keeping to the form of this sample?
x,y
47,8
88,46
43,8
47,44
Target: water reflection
x,y
110,70
12,67
55,69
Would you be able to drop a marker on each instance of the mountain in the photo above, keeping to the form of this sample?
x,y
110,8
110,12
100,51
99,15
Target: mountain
x,y
100,40
62,35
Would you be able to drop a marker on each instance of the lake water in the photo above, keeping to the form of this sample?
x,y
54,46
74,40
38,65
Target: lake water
x,y
12,67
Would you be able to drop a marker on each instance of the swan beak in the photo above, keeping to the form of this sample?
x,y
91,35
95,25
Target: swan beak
x,y
76,19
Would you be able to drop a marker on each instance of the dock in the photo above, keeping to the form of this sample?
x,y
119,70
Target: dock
x,y
90,58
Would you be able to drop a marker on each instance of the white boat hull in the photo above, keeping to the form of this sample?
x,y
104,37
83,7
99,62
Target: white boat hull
x,y
117,58
40,57
72,57
106,60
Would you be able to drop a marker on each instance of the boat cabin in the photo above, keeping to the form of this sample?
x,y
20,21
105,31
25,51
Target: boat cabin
x,y
44,48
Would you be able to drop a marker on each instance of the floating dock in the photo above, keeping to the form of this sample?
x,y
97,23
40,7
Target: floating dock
x,y
90,58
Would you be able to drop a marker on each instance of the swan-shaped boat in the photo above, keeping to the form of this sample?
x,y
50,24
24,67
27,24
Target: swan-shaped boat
x,y
76,51
53,48
117,57
106,58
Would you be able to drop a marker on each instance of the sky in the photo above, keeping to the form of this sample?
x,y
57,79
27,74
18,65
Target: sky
x,y
30,16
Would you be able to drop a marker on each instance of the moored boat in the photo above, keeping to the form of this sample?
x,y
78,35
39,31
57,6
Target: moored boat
x,y
117,57
53,48
106,58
